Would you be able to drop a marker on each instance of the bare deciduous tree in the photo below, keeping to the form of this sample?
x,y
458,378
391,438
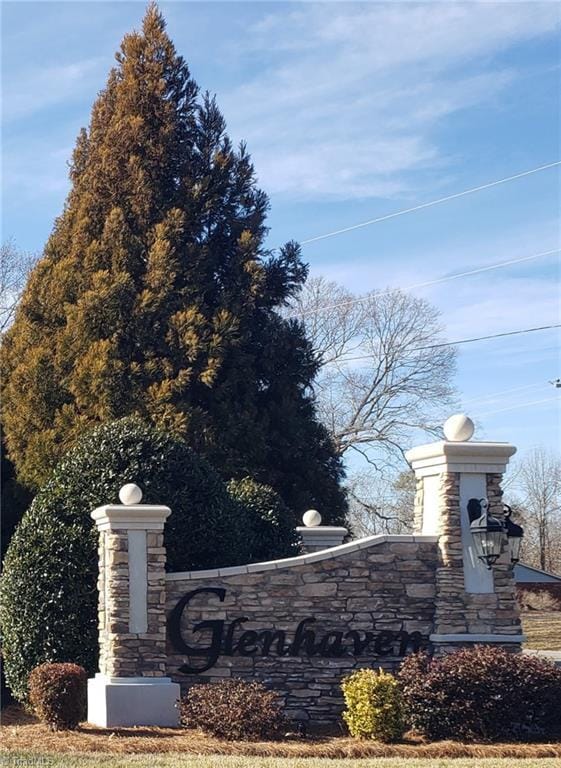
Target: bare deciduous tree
x,y
380,504
14,269
539,486
384,373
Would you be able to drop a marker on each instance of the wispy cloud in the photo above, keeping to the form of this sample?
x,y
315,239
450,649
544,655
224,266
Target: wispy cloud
x,y
487,306
401,264
349,96
41,171
38,88
522,295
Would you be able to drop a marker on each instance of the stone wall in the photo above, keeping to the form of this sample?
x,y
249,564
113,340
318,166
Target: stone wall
x,y
123,653
506,614
300,624
359,600
458,611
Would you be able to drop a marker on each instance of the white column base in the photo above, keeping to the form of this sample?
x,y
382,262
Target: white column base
x,y
126,701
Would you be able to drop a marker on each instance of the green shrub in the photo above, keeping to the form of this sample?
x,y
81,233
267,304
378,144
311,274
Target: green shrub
x,y
374,706
14,500
234,710
48,594
57,694
482,694
269,526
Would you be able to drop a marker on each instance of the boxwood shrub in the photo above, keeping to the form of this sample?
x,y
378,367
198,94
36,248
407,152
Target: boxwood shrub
x,y
482,693
234,709
48,594
374,707
57,695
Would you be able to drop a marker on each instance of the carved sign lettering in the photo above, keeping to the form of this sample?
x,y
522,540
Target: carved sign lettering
x,y
231,639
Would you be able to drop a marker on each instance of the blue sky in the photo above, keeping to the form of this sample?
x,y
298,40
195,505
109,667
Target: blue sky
x,y
351,111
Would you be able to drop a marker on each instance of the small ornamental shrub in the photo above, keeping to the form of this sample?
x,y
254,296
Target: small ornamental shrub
x,y
374,706
482,694
234,710
269,521
48,594
57,694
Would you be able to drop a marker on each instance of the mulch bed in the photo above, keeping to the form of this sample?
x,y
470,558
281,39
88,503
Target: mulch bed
x,y
20,732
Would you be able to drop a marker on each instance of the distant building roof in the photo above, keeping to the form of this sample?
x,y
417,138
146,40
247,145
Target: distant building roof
x,y
526,574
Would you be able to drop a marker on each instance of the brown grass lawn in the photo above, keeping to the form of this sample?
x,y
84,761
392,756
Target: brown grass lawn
x,y
543,630
22,735
181,761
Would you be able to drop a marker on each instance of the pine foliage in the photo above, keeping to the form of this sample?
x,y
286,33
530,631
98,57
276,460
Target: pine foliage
x,y
156,296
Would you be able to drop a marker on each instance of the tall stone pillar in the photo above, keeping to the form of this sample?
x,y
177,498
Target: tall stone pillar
x,y
131,687
473,604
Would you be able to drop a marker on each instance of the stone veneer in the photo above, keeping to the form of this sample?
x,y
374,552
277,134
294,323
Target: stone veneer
x,y
458,611
123,653
376,584
364,601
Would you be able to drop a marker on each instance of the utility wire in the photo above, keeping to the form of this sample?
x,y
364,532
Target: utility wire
x,y
430,204
485,338
456,276
490,396
464,341
520,405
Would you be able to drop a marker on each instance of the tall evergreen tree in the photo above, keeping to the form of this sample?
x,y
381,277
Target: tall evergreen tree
x,y
155,295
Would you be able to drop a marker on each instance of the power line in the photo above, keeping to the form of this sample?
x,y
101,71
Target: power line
x,y
485,338
430,204
520,405
465,341
490,396
478,270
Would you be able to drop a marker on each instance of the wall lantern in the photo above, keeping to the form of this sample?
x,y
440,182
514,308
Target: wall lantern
x,y
488,532
514,533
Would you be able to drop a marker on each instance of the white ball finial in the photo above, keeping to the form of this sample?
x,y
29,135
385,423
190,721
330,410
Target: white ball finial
x,y
311,518
130,494
458,428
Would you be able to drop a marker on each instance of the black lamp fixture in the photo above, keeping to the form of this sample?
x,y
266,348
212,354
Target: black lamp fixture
x,y
514,534
488,532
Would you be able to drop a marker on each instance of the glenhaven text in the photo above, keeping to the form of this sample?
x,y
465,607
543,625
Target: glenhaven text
x,y
231,639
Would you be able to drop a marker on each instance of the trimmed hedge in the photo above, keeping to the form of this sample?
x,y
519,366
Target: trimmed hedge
x,y
374,707
271,533
234,710
482,693
48,594
57,694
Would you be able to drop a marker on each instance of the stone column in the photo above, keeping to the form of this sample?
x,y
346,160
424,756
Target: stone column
x,y
473,604
315,536
131,687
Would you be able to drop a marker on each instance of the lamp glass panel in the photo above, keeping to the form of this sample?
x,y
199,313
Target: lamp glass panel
x,y
488,543
514,543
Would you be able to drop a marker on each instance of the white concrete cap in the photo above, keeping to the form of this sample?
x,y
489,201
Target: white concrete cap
x,y
321,536
449,456
311,518
130,494
459,428
144,517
